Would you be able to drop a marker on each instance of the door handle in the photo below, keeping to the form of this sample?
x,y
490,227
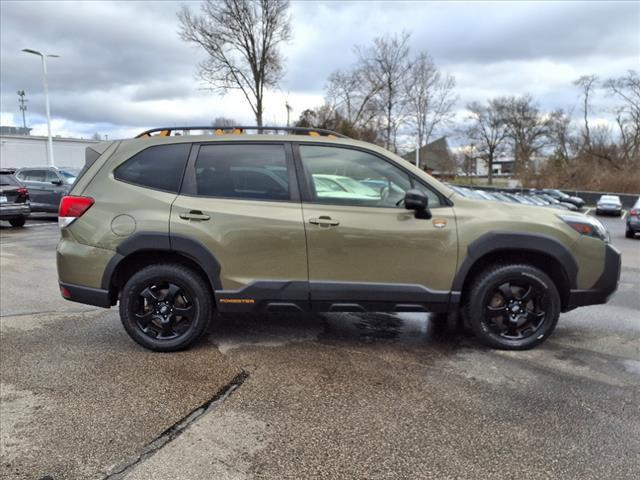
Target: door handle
x,y
194,215
324,221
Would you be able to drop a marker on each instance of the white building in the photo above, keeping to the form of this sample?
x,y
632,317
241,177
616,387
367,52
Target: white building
x,y
31,151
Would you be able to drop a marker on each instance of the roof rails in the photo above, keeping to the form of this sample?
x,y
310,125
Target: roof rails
x,y
314,132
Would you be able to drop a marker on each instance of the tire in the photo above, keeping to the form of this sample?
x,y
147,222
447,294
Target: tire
x,y
598,212
150,303
18,222
512,307
629,234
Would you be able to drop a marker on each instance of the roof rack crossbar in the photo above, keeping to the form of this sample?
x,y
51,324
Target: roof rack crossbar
x,y
166,131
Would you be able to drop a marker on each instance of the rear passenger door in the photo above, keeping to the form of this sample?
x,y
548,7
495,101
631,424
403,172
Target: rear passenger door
x,y
241,201
35,179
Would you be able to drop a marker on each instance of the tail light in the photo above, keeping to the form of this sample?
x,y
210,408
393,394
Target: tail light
x,y
634,213
23,192
72,207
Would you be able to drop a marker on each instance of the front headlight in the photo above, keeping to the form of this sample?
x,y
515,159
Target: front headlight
x,y
591,227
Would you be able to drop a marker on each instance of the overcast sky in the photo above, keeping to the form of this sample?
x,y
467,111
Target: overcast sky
x,y
123,68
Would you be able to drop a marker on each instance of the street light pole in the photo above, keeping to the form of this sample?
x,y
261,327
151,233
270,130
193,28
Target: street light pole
x,y
50,160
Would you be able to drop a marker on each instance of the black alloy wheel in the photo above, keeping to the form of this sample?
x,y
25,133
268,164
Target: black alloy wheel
x,y
164,311
516,310
166,307
512,307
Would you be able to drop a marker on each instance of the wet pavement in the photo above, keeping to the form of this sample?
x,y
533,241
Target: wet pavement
x,y
337,396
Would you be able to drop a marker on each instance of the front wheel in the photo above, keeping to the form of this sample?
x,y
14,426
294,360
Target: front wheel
x,y
629,233
165,307
513,307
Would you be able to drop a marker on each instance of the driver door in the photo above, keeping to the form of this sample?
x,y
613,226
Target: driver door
x,y
365,250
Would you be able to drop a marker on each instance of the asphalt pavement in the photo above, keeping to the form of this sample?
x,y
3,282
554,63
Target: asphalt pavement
x,y
288,396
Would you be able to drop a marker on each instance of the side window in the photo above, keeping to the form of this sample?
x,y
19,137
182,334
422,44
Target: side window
x,y
159,167
51,176
434,199
254,172
34,175
345,176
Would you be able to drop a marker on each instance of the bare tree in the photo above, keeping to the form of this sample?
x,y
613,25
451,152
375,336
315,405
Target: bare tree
x,y
353,94
627,90
560,133
429,97
241,39
527,128
587,84
386,64
487,130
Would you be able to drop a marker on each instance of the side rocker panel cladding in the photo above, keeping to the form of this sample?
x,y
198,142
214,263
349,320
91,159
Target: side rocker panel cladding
x,y
497,241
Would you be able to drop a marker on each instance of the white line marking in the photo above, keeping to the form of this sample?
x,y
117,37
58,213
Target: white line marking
x,y
588,210
624,214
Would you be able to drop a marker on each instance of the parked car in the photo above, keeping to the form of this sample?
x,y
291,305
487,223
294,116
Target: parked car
x,y
633,220
610,205
141,229
563,197
555,201
47,185
14,199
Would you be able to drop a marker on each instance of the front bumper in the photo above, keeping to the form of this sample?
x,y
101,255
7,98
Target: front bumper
x,y
604,287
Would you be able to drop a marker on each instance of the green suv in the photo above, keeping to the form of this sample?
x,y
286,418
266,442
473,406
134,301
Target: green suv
x,y
175,227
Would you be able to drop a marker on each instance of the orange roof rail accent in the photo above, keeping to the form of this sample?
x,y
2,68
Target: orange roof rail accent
x,y
165,133
237,131
219,131
314,134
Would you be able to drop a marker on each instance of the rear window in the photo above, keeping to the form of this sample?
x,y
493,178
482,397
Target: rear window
x,y
8,179
159,167
253,172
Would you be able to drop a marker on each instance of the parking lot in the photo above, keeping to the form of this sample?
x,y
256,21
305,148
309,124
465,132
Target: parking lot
x,y
288,396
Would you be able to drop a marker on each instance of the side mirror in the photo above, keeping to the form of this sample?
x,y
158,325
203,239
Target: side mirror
x,y
57,182
417,201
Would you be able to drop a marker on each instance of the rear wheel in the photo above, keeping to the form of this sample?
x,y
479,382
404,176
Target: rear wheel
x,y
629,233
165,307
18,222
513,307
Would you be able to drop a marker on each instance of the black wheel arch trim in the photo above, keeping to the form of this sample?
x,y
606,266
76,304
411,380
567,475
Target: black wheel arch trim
x,y
505,241
159,242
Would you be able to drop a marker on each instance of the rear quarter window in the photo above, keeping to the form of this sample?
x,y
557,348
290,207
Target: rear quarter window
x,y
8,179
159,167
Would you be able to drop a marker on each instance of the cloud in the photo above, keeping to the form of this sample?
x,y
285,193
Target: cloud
x,y
123,66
